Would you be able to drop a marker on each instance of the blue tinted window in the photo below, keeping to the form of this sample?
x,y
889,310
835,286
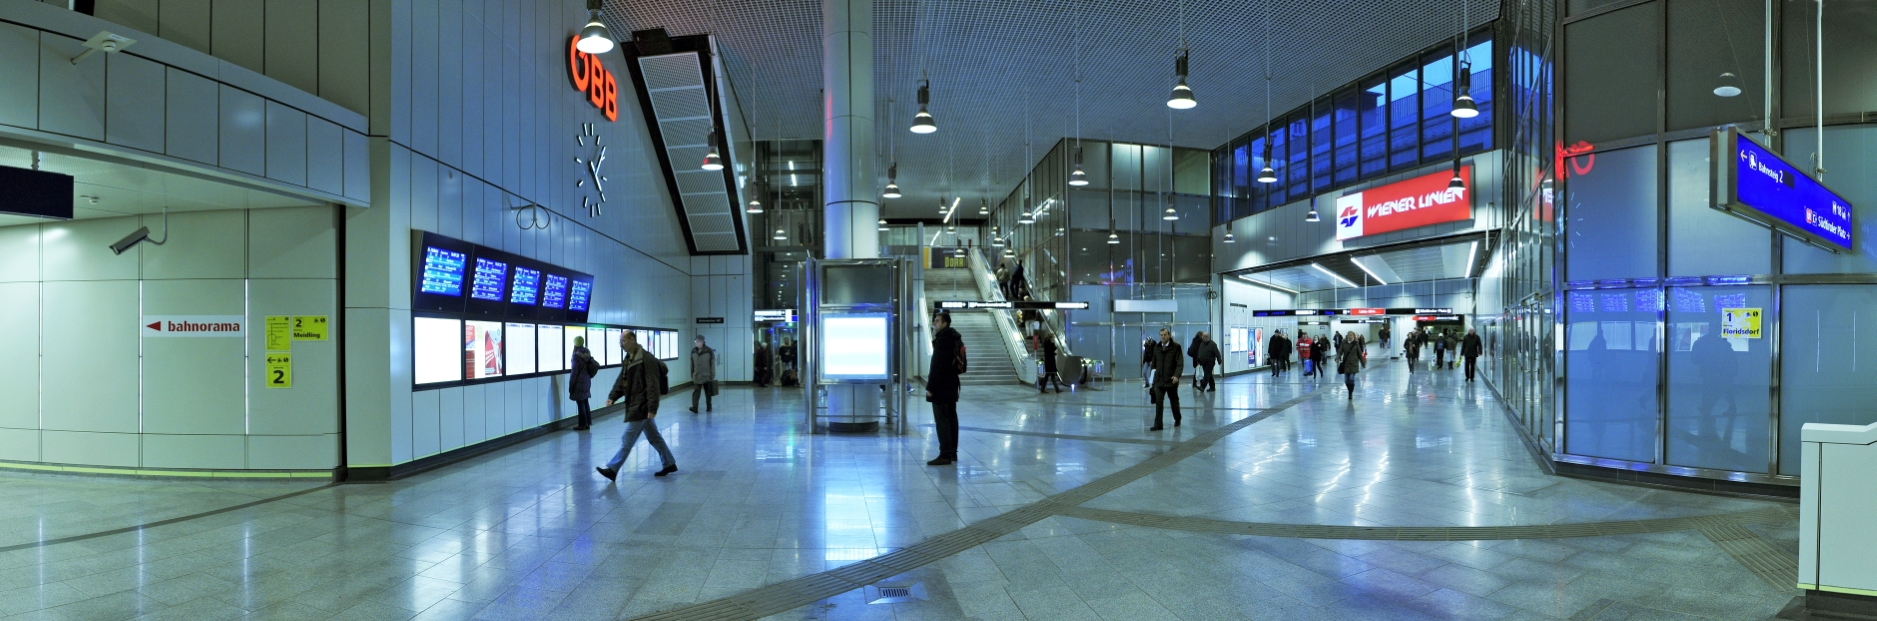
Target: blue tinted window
x,y
1437,105
1280,140
1372,115
1241,176
1297,169
1320,148
1346,151
1256,195
1404,120
1476,132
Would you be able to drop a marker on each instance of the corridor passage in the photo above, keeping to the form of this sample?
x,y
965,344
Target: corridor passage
x,y
1276,499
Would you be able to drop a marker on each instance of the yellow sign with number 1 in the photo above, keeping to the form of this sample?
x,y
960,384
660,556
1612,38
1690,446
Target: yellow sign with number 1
x,y
1740,323
279,370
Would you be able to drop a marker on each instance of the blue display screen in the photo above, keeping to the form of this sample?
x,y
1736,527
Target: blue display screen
x,y
1765,183
487,283
577,295
527,286
443,272
554,295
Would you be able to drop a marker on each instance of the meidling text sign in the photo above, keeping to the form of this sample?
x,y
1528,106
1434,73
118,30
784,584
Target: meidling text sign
x,y
1752,182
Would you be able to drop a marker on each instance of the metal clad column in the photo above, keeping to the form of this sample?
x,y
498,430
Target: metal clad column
x,y
847,130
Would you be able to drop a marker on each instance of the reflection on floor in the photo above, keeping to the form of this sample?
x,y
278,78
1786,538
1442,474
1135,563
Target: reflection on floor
x,y
1062,507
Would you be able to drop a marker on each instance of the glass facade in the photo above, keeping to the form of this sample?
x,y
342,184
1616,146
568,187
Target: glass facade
x,y
1395,120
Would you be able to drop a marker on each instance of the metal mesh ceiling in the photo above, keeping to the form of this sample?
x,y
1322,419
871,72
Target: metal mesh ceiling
x,y
996,63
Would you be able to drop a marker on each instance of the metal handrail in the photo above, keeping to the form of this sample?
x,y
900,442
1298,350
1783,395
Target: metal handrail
x,y
1008,330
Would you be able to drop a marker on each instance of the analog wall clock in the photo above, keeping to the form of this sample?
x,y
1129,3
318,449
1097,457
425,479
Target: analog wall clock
x,y
592,155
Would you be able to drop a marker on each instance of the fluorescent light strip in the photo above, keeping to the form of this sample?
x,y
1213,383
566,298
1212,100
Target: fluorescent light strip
x,y
1469,258
1325,270
1265,284
949,212
1365,270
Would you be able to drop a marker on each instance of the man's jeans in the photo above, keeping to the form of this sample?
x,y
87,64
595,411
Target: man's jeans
x,y
633,430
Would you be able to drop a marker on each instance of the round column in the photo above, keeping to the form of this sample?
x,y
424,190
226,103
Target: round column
x,y
852,210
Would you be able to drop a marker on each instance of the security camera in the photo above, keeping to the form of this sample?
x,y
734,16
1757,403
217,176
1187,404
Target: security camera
x,y
105,42
141,234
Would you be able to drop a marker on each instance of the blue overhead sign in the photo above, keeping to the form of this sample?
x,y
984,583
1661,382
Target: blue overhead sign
x,y
1751,182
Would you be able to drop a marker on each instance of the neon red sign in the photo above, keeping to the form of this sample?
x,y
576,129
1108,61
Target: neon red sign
x,y
588,75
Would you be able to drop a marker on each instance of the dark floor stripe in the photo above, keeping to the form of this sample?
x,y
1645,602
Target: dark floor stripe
x,y
147,525
785,596
1065,436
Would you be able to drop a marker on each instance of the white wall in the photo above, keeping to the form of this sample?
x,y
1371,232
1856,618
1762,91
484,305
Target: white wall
x,y
83,387
1240,300
720,287
471,113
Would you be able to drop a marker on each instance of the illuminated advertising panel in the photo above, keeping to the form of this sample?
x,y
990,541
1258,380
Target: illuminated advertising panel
x,y
854,347
483,352
436,350
1417,202
521,354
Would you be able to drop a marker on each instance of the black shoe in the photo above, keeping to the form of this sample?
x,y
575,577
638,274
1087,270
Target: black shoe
x,y
1176,422
667,470
939,462
1059,390
693,409
1158,428
582,428
611,475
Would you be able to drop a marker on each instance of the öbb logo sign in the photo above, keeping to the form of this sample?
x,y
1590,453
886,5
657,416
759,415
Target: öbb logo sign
x,y
587,74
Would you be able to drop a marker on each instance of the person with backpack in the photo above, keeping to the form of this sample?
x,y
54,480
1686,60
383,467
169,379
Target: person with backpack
x,y
1192,351
703,374
941,386
1304,353
1440,350
640,381
1208,356
580,382
1470,348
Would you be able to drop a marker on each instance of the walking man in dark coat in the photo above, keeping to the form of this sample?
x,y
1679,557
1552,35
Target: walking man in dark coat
x,y
638,383
1168,363
941,387
1205,354
1471,348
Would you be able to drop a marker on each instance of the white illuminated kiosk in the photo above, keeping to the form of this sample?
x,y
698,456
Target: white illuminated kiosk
x,y
855,327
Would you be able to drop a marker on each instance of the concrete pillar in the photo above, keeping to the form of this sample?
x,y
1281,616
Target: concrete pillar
x,y
853,207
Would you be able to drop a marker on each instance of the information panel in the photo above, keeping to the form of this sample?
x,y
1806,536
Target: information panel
x,y
854,347
554,291
549,355
436,350
482,349
521,354
1753,183
526,288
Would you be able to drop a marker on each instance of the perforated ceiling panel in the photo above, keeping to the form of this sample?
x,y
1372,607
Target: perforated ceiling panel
x,y
996,63
674,83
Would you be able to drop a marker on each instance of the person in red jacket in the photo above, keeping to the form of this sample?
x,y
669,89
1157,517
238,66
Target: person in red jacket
x,y
1303,353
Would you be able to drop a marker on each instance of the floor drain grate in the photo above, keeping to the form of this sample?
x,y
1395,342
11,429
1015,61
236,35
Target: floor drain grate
x,y
895,593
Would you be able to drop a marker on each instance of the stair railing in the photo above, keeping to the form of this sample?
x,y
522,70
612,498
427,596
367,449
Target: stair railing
x,y
1007,328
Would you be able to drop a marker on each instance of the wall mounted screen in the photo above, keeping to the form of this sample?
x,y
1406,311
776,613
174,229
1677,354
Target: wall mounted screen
x,y
554,291
487,279
549,355
579,290
1751,182
521,354
442,272
526,287
854,347
436,350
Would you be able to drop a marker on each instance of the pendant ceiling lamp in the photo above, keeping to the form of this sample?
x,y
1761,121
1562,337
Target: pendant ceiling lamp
x,y
1463,105
892,181
1113,238
984,207
594,38
941,206
1182,97
1457,182
1313,217
1267,174
1029,216
922,122
1729,86
1229,239
781,236
882,225
1170,214
712,161
1078,178
755,206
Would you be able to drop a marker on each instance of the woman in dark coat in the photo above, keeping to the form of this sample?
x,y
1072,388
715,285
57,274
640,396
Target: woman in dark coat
x,y
1349,361
941,387
580,381
1046,348
1413,346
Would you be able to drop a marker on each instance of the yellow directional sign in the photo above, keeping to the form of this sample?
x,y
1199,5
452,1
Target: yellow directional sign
x,y
309,327
279,370
1740,323
279,333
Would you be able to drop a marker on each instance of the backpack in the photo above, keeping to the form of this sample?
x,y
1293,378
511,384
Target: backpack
x,y
958,359
590,367
664,378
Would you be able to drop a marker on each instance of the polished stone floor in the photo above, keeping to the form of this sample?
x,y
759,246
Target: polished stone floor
x,y
1062,507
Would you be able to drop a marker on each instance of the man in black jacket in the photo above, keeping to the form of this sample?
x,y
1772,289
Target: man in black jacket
x,y
1471,349
1168,364
1205,353
638,383
941,387
1277,353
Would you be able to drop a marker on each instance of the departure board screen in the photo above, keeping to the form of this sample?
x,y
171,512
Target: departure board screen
x,y
526,288
486,284
442,272
577,293
554,292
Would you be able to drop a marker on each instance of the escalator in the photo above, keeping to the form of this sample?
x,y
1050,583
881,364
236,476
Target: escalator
x,y
988,346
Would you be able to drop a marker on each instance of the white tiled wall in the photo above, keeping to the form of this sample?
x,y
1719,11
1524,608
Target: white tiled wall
x,y
83,386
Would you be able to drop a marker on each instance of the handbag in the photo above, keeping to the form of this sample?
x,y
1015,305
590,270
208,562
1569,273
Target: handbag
x,y
710,388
